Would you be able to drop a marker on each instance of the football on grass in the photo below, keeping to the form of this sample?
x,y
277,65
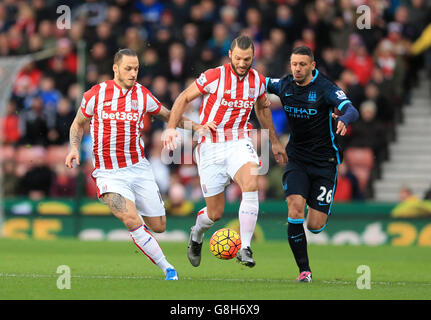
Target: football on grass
x,y
225,243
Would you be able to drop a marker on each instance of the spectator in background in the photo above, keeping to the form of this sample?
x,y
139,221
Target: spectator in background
x,y
10,125
177,67
45,30
368,132
330,64
410,206
386,88
385,110
35,123
25,19
4,45
36,182
274,66
49,94
192,45
358,60
347,185
63,78
99,58
339,32
65,52
10,181
16,41
282,49
219,42
151,11
229,18
64,182
132,39
197,18
149,67
181,8
207,60
104,35
64,115
286,21
255,30
348,81
92,11
5,21
115,18
177,204
26,84
162,43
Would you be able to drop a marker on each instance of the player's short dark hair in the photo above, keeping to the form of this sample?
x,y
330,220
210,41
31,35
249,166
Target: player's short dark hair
x,y
303,50
124,52
242,42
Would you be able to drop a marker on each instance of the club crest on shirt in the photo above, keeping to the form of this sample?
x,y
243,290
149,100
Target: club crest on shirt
x,y
251,93
134,104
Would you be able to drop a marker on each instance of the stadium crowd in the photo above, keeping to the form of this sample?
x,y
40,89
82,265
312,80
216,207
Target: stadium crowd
x,y
176,41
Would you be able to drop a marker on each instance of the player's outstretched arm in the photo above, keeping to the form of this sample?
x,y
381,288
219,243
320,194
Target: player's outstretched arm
x,y
170,135
264,115
75,137
184,122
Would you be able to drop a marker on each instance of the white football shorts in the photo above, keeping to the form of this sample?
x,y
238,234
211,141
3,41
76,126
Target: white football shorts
x,y
136,183
219,162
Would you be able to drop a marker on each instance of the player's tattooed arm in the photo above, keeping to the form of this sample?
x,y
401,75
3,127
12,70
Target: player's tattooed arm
x,y
75,137
77,129
116,202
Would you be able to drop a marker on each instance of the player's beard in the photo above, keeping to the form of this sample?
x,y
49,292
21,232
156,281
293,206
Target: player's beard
x,y
303,79
126,83
236,70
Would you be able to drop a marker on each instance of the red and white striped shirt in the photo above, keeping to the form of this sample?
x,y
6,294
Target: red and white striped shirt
x,y
117,120
228,100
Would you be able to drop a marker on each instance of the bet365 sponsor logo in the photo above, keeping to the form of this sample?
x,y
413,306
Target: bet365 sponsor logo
x,y
237,103
120,115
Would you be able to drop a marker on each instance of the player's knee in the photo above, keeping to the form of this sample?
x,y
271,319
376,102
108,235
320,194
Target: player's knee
x,y
131,222
296,213
316,227
215,214
158,228
249,186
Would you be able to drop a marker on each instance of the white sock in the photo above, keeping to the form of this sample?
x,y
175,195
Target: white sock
x,y
203,223
146,242
248,212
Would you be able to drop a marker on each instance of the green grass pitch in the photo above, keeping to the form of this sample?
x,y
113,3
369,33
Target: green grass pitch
x,y
116,270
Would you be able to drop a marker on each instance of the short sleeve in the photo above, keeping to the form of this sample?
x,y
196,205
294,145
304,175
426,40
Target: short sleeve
x,y
88,102
208,81
153,104
262,87
337,98
273,85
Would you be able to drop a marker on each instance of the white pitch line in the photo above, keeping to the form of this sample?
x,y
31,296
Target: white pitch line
x,y
335,282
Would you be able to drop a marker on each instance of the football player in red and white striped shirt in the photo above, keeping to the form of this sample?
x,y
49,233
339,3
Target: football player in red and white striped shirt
x,y
124,178
229,93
